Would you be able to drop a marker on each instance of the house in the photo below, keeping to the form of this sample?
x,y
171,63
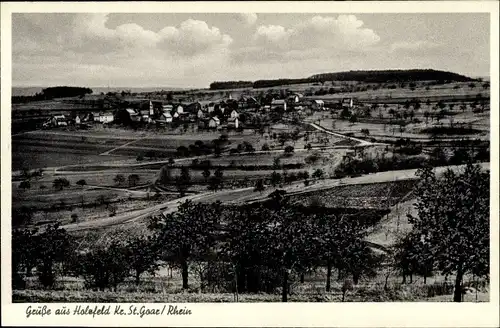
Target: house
x,y
233,122
164,118
58,120
179,109
104,117
278,104
214,122
211,107
176,114
78,120
200,114
347,102
168,108
318,104
295,98
234,114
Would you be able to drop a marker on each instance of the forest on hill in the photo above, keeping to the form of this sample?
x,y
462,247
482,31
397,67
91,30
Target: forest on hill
x,y
53,92
375,76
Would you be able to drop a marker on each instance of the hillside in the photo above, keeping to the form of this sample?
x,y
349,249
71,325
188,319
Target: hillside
x,y
384,76
375,76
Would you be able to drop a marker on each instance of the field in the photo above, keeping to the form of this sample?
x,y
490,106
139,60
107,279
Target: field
x,y
121,168
374,195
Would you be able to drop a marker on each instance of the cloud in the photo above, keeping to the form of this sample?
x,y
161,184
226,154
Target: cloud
x,y
247,18
318,36
89,33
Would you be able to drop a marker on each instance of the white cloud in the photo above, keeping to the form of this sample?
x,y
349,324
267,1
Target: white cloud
x,y
192,38
318,37
343,32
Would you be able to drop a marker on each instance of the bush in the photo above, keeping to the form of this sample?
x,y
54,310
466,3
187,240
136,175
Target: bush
x,y
289,149
25,185
60,183
265,147
81,182
139,158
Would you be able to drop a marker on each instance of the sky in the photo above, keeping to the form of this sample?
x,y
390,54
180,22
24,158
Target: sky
x,y
192,50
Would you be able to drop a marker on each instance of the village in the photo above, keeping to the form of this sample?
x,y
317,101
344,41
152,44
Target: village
x,y
223,114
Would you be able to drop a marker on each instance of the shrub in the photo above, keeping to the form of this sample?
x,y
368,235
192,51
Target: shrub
x,y
81,182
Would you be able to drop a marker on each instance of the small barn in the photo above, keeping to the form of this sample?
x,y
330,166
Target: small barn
x,y
214,122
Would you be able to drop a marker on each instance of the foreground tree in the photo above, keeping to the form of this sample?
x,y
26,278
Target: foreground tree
x,y
53,247
187,234
142,255
453,221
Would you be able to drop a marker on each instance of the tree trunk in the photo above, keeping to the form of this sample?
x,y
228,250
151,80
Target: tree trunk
x,y
328,275
457,295
425,278
137,277
411,277
355,278
184,267
404,278
301,278
284,292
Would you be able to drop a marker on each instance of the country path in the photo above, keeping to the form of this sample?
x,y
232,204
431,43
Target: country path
x,y
248,195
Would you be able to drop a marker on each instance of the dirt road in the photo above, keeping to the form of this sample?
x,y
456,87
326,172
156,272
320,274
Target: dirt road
x,y
248,195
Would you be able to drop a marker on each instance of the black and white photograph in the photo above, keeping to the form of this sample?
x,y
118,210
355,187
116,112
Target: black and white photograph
x,y
249,157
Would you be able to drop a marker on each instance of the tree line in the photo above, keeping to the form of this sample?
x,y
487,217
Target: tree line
x,y
263,248
375,76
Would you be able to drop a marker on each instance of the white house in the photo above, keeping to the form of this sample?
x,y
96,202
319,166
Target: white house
x,y
165,117
233,122
211,107
234,114
295,98
200,114
58,120
180,109
176,115
105,117
168,108
78,120
318,104
214,122
278,104
348,102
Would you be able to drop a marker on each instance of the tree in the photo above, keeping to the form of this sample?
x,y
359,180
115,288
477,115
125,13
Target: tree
x,y
206,174
275,178
53,247
165,175
105,265
60,183
119,179
183,180
365,132
133,180
289,150
25,184
276,163
453,219
318,174
187,234
81,182
142,255
74,218
259,186
171,161
23,259
265,147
